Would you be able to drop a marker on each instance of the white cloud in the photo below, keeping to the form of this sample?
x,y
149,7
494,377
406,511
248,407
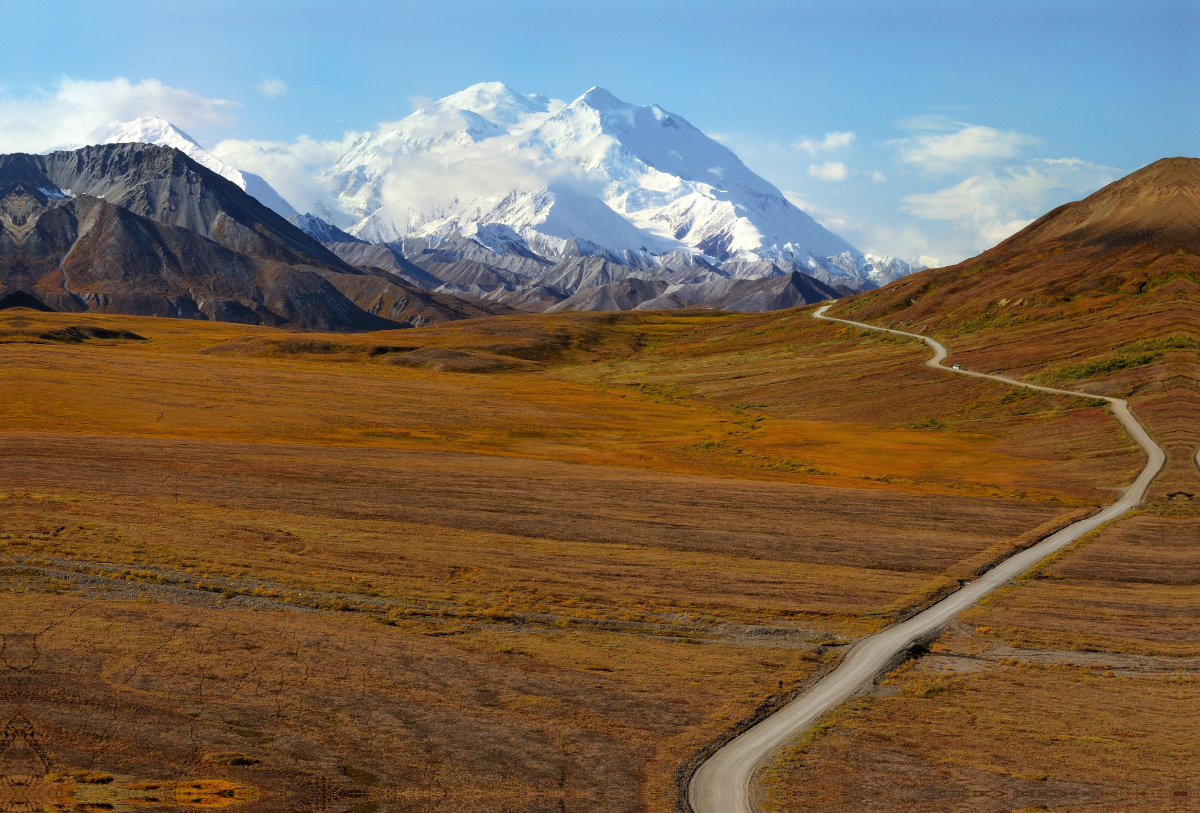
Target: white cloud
x,y
829,218
969,146
993,205
272,87
931,123
43,120
828,171
832,141
289,167
877,176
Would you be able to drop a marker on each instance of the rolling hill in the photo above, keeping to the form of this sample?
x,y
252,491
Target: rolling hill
x,y
1102,294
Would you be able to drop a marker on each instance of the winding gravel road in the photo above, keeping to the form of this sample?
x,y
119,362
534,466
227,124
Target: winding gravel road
x,y
722,783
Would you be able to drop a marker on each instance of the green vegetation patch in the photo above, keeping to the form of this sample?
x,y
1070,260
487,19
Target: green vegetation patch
x,y
1134,354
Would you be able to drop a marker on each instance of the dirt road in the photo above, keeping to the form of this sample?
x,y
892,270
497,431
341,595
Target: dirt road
x,y
722,783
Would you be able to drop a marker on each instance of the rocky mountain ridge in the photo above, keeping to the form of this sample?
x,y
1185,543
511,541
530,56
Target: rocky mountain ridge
x,y
143,229
153,130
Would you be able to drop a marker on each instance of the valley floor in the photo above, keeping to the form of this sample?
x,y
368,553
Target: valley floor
x,y
523,563
1074,688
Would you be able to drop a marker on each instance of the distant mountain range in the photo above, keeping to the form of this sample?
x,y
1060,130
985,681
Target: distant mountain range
x,y
528,175
476,203
143,229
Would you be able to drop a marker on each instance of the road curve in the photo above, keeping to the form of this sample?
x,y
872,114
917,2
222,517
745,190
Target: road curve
x,y
722,783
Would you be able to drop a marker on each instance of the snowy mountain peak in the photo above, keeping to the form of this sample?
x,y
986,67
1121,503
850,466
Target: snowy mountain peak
x,y
600,99
141,130
153,130
496,102
598,175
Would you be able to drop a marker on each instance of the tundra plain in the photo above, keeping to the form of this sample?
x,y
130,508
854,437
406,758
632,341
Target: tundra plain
x,y
519,563
1074,688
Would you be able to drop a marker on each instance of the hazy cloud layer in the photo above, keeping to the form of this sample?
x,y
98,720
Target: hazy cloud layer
x,y
272,87
41,120
993,205
943,188
290,167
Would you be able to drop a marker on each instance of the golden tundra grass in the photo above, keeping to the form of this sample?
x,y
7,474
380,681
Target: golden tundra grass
x,y
734,489
1009,737
1076,687
1032,730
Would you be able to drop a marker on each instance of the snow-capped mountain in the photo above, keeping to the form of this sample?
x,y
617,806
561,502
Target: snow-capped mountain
x,y
596,176
670,179
153,130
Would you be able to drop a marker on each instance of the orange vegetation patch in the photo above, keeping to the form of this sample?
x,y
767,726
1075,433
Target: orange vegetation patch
x,y
1001,739
774,397
595,541
1129,588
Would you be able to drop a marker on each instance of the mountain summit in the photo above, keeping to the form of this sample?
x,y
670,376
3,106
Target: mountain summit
x,y
1159,203
153,130
597,176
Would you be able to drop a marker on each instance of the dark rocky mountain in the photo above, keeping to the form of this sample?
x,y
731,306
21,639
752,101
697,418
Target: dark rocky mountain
x,y
385,257
465,267
624,295
166,186
746,295
143,229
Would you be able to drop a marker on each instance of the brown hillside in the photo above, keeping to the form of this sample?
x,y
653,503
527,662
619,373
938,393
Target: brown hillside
x,y
1159,204
1130,238
1102,294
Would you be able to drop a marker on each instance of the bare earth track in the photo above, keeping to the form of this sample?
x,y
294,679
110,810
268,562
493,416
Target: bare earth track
x,y
722,783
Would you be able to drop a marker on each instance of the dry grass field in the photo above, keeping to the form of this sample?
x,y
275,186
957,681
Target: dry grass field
x,y
525,563
1075,688
978,733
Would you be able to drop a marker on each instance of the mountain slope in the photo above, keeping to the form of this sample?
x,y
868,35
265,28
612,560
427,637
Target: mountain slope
x,y
1101,295
85,254
1131,238
153,130
670,179
141,229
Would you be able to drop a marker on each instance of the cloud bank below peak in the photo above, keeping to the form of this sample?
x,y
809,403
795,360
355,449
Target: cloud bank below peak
x,y
45,119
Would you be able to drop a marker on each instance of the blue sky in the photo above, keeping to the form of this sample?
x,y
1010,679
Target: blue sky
x,y
963,115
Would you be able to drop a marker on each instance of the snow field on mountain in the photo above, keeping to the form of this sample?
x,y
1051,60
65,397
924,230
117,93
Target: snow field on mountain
x,y
525,175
